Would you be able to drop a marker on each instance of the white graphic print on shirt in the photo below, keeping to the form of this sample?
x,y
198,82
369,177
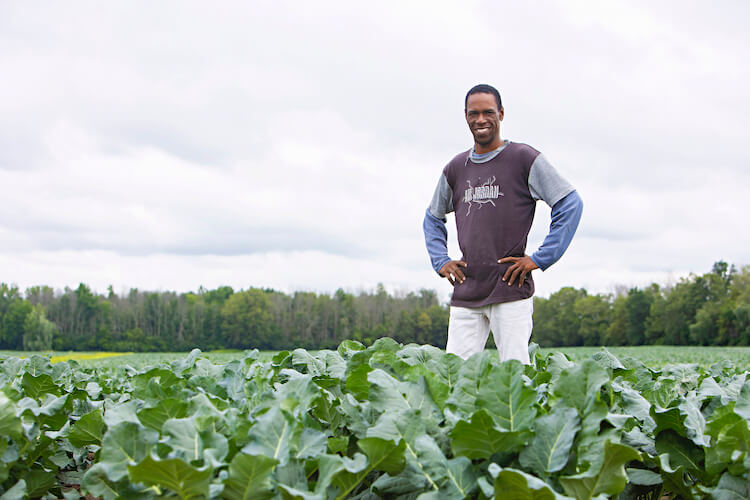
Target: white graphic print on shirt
x,y
485,192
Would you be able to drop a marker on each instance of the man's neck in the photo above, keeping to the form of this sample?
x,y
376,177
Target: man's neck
x,y
481,149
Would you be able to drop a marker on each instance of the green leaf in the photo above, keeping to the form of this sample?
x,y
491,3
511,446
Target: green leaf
x,y
471,375
731,488
506,398
173,474
643,477
165,409
610,480
312,443
442,377
272,435
516,484
661,392
636,405
385,392
695,423
191,444
480,438
348,347
10,424
681,451
249,477
125,444
455,478
742,407
87,430
729,444
674,479
338,444
668,419
607,360
357,383
39,482
116,413
96,483
579,385
382,454
549,450
36,386
16,492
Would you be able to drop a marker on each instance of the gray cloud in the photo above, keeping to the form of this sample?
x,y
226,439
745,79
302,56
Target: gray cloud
x,y
252,129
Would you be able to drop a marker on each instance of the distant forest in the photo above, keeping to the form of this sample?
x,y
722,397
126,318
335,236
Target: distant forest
x,y
710,309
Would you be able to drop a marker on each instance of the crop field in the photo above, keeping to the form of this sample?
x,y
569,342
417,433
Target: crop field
x,y
386,421
651,356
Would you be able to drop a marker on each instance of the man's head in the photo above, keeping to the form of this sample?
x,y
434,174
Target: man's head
x,y
484,112
483,88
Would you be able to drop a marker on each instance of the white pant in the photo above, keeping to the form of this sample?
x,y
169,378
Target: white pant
x,y
510,323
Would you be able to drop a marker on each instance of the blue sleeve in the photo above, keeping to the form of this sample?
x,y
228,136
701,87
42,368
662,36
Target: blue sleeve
x,y
566,214
436,239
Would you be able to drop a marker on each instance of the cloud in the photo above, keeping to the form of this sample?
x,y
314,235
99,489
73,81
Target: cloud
x,y
312,136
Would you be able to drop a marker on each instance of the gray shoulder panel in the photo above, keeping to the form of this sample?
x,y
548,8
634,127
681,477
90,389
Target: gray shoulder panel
x,y
546,184
442,199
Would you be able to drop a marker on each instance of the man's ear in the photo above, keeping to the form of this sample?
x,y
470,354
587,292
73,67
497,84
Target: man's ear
x,y
501,114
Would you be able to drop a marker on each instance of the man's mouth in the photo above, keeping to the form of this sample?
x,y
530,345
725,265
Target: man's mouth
x,y
481,130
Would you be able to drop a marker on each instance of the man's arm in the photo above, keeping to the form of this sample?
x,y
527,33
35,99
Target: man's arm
x,y
436,239
566,214
546,184
436,234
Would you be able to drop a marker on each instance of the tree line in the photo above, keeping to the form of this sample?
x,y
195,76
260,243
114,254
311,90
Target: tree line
x,y
711,309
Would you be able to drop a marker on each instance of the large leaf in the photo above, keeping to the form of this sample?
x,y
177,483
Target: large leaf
x,y
505,396
191,444
480,438
15,492
471,375
455,478
165,409
273,435
37,386
249,478
382,454
610,480
173,474
742,407
695,423
550,448
125,444
681,451
516,484
87,430
10,424
731,488
442,376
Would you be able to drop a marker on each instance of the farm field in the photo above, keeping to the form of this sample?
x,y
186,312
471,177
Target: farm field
x,y
652,356
386,421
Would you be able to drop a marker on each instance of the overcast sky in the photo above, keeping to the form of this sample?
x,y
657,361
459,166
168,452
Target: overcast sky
x,y
296,145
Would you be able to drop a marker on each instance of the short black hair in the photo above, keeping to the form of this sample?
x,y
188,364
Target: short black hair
x,y
483,88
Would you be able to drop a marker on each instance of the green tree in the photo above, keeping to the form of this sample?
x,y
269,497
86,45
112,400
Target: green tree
x,y
38,330
594,313
247,321
12,328
637,309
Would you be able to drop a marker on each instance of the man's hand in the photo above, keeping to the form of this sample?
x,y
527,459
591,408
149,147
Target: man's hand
x,y
520,268
452,271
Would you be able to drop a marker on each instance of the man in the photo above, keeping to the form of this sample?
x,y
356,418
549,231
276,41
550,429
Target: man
x,y
493,189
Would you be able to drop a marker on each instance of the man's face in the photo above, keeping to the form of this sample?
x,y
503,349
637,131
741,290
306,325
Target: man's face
x,y
483,118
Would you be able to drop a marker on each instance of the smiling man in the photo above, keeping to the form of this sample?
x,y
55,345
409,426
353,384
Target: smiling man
x,y
493,189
